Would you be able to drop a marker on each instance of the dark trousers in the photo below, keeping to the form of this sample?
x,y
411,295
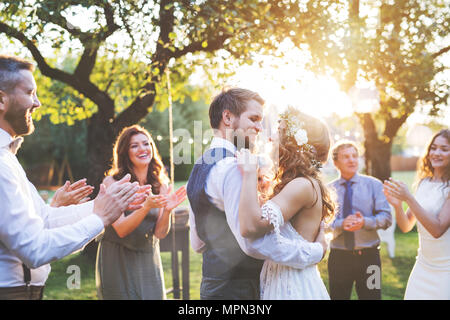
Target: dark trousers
x,y
229,289
22,293
346,267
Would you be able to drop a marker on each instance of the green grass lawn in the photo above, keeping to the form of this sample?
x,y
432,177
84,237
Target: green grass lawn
x,y
395,272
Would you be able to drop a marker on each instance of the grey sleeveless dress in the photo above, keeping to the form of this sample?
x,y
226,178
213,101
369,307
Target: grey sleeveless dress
x,y
130,268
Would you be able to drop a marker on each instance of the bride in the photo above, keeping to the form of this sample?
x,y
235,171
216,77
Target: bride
x,y
296,207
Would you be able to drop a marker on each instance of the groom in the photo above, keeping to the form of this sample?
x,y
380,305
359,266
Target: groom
x,y
232,263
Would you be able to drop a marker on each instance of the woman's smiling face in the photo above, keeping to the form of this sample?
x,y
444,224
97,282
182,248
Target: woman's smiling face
x,y
140,150
439,154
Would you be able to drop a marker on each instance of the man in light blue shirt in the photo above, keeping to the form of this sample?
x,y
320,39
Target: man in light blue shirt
x,y
362,209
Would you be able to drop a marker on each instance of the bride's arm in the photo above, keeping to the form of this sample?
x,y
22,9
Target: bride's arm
x,y
251,223
297,194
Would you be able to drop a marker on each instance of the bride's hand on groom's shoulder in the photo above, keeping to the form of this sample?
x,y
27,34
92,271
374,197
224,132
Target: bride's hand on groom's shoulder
x,y
246,161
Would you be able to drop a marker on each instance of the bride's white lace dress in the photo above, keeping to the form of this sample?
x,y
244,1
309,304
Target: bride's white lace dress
x,y
279,282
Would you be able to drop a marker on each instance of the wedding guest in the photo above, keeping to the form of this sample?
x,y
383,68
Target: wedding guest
x,y
362,209
33,234
128,260
430,208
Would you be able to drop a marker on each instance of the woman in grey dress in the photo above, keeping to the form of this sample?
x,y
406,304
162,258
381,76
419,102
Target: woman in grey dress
x,y
128,258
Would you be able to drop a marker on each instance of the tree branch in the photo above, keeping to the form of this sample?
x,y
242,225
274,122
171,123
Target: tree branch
x,y
42,64
393,125
87,88
92,44
213,45
138,109
440,52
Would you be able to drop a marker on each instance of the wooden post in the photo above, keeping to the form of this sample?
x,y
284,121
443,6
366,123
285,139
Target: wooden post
x,y
175,271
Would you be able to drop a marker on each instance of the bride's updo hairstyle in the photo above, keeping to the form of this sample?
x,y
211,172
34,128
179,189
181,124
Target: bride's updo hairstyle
x,y
304,143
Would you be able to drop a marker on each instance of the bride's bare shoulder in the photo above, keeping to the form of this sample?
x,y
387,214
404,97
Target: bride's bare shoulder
x,y
302,184
299,189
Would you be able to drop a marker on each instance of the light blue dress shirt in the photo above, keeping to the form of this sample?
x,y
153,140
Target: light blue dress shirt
x,y
368,198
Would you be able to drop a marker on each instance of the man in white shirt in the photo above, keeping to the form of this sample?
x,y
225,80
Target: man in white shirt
x,y
33,234
232,263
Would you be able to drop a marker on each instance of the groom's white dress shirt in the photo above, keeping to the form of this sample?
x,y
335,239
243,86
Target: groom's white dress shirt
x,y
31,231
223,188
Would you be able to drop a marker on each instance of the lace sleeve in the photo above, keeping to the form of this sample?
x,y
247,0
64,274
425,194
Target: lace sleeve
x,y
272,212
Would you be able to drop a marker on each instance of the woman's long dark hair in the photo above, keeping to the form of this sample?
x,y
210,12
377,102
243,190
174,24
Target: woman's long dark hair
x,y
156,175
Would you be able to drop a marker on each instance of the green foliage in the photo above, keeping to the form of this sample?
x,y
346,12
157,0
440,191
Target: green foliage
x,y
124,46
111,57
398,50
184,115
395,273
53,143
60,102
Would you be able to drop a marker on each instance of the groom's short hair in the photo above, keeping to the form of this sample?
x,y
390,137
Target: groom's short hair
x,y
232,99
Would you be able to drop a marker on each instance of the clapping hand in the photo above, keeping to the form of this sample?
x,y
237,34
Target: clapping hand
x,y
174,199
396,191
75,193
111,202
142,194
155,201
353,222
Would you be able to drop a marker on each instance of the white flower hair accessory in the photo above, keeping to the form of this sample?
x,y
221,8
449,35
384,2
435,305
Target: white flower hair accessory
x,y
294,128
301,136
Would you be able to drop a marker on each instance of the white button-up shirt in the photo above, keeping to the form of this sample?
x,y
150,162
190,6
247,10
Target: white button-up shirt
x,y
31,231
223,188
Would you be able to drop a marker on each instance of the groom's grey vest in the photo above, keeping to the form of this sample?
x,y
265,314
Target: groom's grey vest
x,y
228,272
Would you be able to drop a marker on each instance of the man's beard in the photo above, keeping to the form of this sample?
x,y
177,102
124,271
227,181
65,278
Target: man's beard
x,y
18,120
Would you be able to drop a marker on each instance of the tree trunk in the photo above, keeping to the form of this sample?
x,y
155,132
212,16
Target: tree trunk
x,y
377,152
378,158
100,140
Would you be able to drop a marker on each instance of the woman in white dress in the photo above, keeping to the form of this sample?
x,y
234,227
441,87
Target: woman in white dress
x,y
430,207
296,207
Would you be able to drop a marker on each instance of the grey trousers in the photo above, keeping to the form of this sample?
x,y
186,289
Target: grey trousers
x,y
229,289
22,293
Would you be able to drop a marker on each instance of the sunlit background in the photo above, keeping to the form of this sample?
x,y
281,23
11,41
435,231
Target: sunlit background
x,y
281,81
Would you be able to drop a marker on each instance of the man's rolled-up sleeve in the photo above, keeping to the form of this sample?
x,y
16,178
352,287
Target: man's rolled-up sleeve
x,y
24,232
382,217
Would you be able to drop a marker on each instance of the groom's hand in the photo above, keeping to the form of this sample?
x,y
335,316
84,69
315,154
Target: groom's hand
x,y
322,239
